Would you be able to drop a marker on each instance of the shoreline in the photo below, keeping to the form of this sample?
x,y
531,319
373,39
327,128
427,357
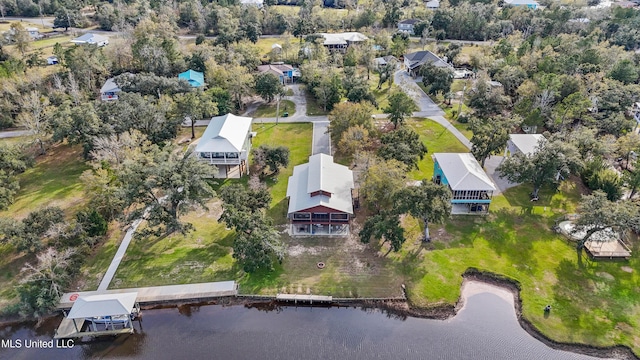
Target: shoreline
x,y
474,282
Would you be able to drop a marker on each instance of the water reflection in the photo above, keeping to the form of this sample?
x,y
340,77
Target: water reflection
x,y
485,329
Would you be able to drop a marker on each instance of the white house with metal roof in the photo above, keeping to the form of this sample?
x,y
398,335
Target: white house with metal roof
x,y
320,197
341,41
226,143
526,144
92,39
471,187
109,90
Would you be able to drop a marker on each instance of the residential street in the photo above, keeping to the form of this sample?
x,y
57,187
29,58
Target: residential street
x,y
13,133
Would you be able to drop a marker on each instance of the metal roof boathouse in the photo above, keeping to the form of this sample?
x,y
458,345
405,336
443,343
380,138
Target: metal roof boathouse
x,y
103,314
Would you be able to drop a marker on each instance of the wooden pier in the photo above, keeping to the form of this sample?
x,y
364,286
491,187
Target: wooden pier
x,y
157,294
303,298
67,330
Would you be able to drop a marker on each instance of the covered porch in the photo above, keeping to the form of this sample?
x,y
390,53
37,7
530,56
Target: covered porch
x,y
470,208
306,229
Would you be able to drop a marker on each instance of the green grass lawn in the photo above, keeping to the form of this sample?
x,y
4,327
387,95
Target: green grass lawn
x,y
297,137
449,115
313,108
92,271
593,302
202,255
382,95
53,181
437,139
269,110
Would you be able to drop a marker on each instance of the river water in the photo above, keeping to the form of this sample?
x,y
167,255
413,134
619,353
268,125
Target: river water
x,y
486,328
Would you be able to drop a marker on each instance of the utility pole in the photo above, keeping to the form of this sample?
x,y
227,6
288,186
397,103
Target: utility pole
x,y
278,109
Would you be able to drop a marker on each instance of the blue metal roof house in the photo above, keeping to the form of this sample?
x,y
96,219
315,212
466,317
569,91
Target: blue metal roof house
x,y
471,187
531,4
195,78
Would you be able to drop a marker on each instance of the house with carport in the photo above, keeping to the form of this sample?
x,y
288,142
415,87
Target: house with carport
x,y
226,143
471,187
320,197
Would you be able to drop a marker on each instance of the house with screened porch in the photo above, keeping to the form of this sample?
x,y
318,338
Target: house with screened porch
x,y
471,187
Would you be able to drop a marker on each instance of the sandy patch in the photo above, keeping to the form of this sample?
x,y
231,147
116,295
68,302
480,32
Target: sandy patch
x,y
472,287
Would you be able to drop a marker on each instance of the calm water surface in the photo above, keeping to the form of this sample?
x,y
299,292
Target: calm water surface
x,y
485,329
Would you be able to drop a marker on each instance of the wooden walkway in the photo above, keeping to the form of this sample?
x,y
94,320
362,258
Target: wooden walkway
x,y
162,293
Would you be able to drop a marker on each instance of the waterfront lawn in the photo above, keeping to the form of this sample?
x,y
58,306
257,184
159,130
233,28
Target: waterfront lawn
x,y
295,136
352,269
202,255
92,271
269,110
593,302
53,181
437,139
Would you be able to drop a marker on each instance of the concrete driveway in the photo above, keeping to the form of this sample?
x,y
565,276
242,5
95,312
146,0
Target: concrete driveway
x,y
321,140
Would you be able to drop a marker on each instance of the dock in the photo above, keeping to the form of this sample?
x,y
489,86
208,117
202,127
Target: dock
x,y
616,249
303,298
156,294
67,330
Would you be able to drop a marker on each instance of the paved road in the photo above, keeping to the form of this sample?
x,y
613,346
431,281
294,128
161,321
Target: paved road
x,y
13,133
321,140
44,21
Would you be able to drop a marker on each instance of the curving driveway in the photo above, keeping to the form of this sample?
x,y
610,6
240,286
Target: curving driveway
x,y
428,109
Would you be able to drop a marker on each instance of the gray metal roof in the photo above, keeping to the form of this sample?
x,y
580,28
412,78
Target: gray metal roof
x,y
320,174
342,38
463,172
526,143
89,38
521,2
419,58
225,133
103,305
410,21
109,86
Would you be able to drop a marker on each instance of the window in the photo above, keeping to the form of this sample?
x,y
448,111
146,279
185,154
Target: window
x,y
320,217
339,216
301,216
